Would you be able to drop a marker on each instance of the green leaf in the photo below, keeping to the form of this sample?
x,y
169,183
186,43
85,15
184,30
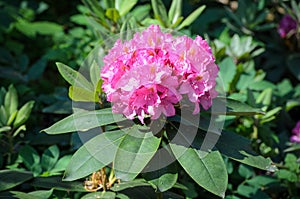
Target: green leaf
x,y
95,73
19,129
94,154
293,65
73,77
242,152
160,12
5,128
175,11
227,72
46,28
12,117
11,100
138,146
130,184
234,107
83,121
245,171
262,181
23,114
104,195
192,17
141,12
162,179
125,6
57,184
49,158
206,169
61,165
82,95
10,178
3,115
31,159
2,91
112,14
33,194
30,29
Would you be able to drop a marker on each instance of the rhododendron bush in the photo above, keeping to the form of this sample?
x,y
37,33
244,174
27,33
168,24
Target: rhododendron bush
x,y
165,99
165,85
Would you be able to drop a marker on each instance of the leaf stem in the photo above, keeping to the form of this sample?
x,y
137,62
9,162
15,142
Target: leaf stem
x,y
159,195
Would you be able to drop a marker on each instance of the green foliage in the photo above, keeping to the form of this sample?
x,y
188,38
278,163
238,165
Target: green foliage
x,y
252,157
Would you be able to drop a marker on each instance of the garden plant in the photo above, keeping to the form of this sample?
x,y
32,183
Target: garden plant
x,y
150,99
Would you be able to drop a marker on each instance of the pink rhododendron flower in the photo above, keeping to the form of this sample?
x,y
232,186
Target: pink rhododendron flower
x,y
287,26
296,133
150,73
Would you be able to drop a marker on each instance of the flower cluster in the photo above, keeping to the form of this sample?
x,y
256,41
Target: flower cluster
x,y
287,26
150,73
296,133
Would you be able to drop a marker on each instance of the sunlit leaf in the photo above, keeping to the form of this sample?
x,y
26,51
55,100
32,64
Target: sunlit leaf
x,y
83,121
160,12
73,77
23,114
192,17
125,6
138,146
94,154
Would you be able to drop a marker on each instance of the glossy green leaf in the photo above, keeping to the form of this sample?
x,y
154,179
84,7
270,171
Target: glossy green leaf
x,y
104,195
227,72
85,120
30,29
162,179
31,159
125,6
3,115
5,128
245,171
57,184
206,169
175,11
19,129
160,12
11,100
61,164
33,195
94,154
73,77
50,157
12,118
234,107
112,14
130,184
138,146
242,152
262,181
192,17
23,114
95,73
141,12
82,95
11,178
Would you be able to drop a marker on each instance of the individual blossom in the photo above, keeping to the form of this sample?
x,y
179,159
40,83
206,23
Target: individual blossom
x,y
287,26
296,133
149,74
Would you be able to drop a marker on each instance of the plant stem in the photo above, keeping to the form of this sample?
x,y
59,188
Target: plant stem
x,y
11,147
103,178
159,195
